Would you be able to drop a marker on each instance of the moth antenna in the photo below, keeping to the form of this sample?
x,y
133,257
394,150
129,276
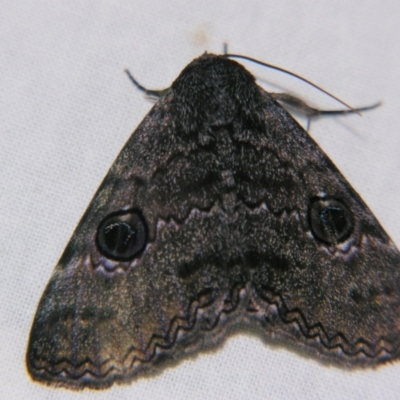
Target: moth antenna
x,y
225,49
294,75
151,93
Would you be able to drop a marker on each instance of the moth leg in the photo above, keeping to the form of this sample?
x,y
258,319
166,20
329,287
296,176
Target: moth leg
x,y
154,94
303,108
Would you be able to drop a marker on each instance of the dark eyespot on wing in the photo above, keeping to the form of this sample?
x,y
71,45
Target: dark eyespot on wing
x,y
331,221
122,235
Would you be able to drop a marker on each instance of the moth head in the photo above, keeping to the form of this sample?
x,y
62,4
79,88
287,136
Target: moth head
x,y
122,235
330,220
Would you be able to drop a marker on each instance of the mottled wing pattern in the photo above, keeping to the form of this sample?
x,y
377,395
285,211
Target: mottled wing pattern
x,y
219,212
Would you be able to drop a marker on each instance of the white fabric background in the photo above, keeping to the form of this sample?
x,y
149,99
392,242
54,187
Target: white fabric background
x,y
67,109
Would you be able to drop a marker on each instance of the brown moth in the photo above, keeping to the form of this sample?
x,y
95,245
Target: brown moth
x,y
220,212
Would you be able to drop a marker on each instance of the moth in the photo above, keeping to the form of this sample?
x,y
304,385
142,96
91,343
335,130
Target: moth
x,y
219,213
